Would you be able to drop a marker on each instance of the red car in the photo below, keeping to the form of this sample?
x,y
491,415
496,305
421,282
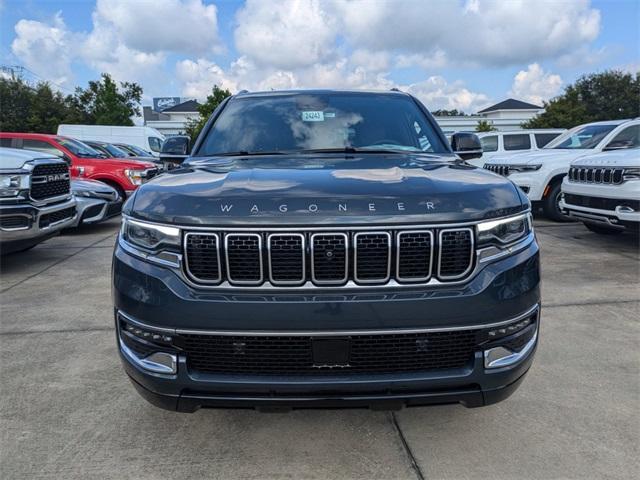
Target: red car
x,y
123,174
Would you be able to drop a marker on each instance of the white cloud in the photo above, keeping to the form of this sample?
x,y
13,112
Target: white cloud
x,y
46,49
198,78
285,34
436,93
187,26
488,32
535,85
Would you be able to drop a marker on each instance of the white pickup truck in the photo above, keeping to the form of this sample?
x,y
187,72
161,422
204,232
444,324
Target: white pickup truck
x,y
539,174
603,191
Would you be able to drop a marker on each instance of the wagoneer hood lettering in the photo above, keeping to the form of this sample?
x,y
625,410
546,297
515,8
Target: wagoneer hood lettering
x,y
310,189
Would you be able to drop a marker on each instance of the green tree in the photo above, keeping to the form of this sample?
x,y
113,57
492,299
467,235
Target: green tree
x,y
24,108
485,126
15,104
215,98
104,103
609,95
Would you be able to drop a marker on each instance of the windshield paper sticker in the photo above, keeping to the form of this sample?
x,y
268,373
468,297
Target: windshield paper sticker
x,y
313,116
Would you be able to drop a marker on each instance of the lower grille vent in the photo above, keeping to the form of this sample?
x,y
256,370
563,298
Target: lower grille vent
x,y
367,354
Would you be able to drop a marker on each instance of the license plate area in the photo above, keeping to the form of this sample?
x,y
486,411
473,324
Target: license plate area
x,y
331,352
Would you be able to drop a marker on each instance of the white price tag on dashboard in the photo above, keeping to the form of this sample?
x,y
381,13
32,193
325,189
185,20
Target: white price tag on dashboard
x,y
313,116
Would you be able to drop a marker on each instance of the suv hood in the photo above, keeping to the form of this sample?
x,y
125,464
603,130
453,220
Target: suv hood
x,y
544,155
614,158
325,189
127,163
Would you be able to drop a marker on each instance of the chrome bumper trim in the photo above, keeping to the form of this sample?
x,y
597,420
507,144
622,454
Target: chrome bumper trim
x,y
316,333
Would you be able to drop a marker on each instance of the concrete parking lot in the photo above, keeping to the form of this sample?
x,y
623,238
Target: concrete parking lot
x,y
68,410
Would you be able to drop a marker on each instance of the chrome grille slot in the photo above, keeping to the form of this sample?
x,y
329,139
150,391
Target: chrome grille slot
x,y
244,258
499,169
414,255
372,257
203,257
329,260
286,258
612,176
304,258
456,253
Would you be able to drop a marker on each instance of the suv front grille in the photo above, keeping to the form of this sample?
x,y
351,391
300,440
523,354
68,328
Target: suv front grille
x,y
367,354
608,176
50,180
499,169
329,258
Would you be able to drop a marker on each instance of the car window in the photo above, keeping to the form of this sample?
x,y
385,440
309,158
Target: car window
x,y
40,146
78,148
517,142
115,151
490,143
627,138
318,121
155,144
585,137
6,142
543,139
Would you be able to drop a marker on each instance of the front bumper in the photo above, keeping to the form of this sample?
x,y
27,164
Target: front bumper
x,y
531,183
620,202
95,210
37,224
158,299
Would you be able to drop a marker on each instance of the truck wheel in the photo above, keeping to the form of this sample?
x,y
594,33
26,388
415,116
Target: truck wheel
x,y
602,229
551,204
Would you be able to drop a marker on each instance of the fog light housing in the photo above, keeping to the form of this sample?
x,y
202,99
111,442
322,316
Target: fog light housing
x,y
510,343
148,349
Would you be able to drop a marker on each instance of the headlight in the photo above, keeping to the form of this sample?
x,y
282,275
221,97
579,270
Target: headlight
x,y
631,174
10,185
504,231
149,236
524,168
135,176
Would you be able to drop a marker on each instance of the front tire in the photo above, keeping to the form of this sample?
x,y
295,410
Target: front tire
x,y
602,229
551,204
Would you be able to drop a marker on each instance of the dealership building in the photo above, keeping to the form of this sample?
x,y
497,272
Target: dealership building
x,y
170,116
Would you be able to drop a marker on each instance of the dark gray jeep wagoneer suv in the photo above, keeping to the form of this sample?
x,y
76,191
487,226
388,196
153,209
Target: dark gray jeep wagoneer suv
x,y
326,249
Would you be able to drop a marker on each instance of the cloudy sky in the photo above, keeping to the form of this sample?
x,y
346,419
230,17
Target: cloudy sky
x,y
462,54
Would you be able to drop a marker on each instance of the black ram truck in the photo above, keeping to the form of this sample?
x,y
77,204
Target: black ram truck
x,y
326,249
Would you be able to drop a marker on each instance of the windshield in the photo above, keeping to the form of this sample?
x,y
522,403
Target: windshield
x,y
321,121
136,150
115,151
78,148
582,137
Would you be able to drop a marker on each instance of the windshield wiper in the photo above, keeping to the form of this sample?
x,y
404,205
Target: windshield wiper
x,y
245,153
358,150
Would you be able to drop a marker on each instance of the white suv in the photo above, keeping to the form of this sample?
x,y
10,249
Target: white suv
x,y
539,174
517,141
603,191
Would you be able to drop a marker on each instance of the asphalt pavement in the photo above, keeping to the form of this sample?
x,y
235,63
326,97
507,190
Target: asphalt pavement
x,y
67,410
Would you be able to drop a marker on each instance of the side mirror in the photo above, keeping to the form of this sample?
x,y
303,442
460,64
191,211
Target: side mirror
x,y
466,145
175,149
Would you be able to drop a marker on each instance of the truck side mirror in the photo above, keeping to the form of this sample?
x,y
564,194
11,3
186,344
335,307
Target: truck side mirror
x,y
175,149
466,145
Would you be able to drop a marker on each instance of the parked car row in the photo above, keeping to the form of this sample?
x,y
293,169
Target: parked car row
x,y
603,162
49,183
124,174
